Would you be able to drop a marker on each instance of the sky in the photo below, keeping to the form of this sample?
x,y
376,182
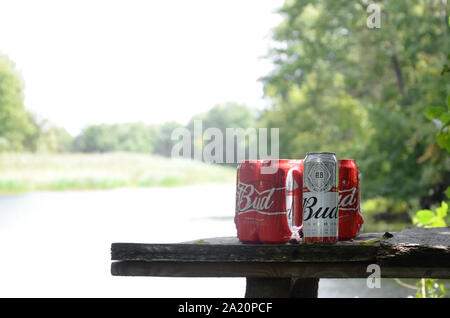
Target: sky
x,y
91,62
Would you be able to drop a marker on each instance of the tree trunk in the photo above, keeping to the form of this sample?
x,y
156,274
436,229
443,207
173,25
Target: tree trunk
x,y
398,74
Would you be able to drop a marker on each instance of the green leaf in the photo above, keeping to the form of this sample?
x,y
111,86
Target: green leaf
x,y
447,101
437,222
443,140
447,192
442,210
425,216
445,119
434,112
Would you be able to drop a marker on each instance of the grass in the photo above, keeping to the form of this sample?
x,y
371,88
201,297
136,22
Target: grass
x,y
32,172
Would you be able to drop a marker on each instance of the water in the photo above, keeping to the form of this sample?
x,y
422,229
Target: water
x,y
57,244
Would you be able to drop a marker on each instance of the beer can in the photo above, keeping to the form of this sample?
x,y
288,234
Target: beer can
x,y
320,197
268,201
246,215
281,220
350,217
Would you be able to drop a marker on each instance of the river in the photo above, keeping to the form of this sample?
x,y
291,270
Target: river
x,y
57,244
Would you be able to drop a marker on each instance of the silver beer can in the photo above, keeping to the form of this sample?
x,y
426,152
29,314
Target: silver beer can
x,y
320,197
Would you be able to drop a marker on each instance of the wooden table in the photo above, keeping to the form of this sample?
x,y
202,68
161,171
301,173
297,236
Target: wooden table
x,y
290,270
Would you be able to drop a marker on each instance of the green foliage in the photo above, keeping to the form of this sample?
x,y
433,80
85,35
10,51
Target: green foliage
x,y
138,137
430,288
48,138
228,115
64,140
447,192
437,218
16,124
441,116
339,86
384,204
221,117
164,142
428,218
318,116
97,138
135,137
385,214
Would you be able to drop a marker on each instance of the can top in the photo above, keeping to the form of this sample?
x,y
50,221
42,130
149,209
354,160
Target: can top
x,y
346,160
321,153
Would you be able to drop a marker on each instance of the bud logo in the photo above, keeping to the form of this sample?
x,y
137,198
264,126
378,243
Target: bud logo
x,y
320,214
348,199
251,200
329,212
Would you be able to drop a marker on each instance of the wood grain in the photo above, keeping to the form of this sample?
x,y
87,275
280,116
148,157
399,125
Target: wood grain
x,y
229,249
276,270
411,253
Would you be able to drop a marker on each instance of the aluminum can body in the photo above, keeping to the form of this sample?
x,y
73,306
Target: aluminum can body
x,y
320,197
350,217
268,201
246,218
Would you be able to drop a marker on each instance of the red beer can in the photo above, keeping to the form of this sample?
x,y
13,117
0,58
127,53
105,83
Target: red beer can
x,y
268,197
247,216
350,217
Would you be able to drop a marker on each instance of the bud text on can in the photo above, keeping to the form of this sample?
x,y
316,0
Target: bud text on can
x,y
320,197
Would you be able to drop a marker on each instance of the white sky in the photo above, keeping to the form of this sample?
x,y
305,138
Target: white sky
x,y
89,62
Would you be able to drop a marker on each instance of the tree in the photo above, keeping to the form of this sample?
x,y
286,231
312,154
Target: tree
x,y
221,117
96,138
135,137
16,124
164,142
328,63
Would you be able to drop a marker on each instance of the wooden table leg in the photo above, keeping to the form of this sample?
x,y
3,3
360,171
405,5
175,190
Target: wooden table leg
x,y
268,287
282,287
304,287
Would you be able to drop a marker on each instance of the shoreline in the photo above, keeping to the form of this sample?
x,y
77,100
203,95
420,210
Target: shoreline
x,y
25,172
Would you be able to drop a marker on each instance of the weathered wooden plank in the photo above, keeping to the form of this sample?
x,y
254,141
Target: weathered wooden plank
x,y
243,269
231,250
244,253
411,253
277,270
417,247
232,240
427,237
